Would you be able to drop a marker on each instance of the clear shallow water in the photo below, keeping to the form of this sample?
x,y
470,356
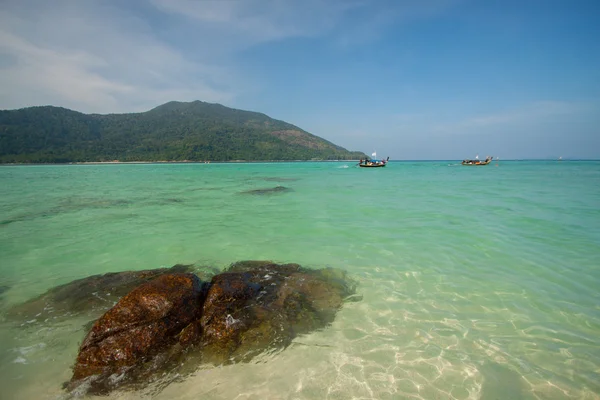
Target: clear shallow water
x,y
477,282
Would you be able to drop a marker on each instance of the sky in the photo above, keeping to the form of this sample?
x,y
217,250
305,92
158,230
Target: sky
x,y
426,79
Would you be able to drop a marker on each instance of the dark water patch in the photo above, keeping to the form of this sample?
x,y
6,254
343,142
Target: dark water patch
x,y
207,189
9,221
279,179
169,201
268,191
119,216
67,206
81,203
3,289
27,217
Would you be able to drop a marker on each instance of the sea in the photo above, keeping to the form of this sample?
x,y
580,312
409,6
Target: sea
x,y
473,282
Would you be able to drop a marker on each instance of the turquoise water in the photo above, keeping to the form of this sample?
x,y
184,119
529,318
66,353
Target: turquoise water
x,y
476,282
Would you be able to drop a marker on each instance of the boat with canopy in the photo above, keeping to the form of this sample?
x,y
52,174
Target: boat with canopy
x,y
373,162
476,161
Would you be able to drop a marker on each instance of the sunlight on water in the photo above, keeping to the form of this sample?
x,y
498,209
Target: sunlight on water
x,y
474,283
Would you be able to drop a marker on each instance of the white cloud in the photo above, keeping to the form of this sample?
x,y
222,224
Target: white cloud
x,y
42,74
92,57
114,56
103,56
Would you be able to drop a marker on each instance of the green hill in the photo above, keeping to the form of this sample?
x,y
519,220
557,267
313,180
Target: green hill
x,y
174,131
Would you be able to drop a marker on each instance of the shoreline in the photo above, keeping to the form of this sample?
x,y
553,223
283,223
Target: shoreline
x,y
269,161
174,162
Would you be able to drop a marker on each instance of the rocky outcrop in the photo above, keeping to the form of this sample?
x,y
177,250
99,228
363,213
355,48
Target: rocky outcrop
x,y
252,307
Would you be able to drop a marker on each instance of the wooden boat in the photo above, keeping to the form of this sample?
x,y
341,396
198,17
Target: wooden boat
x,y
371,163
478,162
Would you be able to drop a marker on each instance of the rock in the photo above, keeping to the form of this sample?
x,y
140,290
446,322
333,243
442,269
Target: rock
x,y
227,294
142,324
264,307
175,322
96,293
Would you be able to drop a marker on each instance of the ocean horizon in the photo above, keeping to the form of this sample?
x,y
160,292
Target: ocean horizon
x,y
472,283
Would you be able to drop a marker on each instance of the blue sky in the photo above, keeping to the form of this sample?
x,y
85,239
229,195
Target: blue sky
x,y
430,79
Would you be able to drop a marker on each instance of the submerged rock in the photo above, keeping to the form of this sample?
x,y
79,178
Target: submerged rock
x,y
268,191
70,204
176,320
97,292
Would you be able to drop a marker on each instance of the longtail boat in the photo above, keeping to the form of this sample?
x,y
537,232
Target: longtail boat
x,y
373,163
477,161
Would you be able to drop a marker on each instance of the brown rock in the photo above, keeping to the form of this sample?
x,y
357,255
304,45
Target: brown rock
x,y
168,326
142,324
222,314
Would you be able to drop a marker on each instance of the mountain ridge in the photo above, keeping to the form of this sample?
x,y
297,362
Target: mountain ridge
x,y
173,131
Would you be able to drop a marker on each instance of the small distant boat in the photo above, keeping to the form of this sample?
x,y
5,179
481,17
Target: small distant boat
x,y
487,160
373,162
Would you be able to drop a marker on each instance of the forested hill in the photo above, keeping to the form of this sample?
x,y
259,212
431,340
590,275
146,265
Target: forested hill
x,y
174,131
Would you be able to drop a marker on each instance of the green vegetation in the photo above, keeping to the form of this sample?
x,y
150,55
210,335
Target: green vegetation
x,y
174,131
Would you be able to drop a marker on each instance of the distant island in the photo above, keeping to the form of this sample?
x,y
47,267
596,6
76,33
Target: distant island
x,y
175,131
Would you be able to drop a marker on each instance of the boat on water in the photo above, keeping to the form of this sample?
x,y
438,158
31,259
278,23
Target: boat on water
x,y
373,162
477,161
